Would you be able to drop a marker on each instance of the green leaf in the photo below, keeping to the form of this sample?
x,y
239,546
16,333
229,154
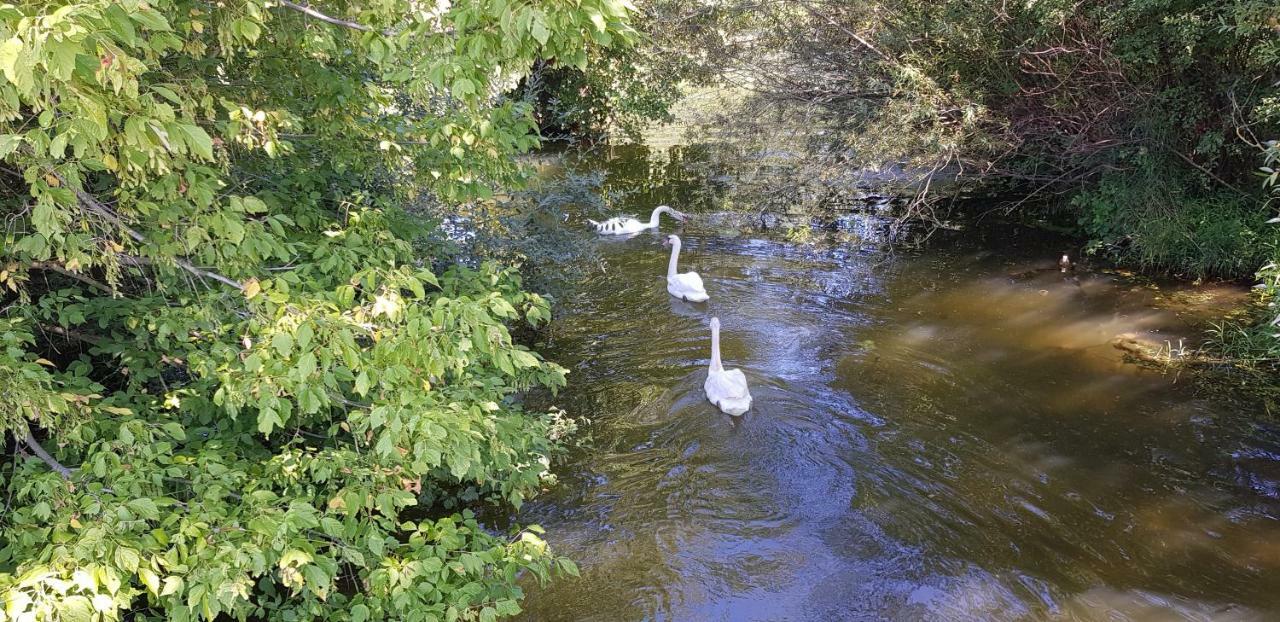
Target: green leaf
x,y
283,343
168,94
303,336
199,141
150,19
144,507
268,420
359,613
150,579
540,32
567,566
172,585
9,143
127,559
75,609
462,87
306,365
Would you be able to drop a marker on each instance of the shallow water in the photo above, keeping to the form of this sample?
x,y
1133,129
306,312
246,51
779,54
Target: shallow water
x,y
941,435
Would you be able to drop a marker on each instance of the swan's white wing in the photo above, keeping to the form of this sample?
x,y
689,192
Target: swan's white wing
x,y
687,286
689,281
730,384
619,224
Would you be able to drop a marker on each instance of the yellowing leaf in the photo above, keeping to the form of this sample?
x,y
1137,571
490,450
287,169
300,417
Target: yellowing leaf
x,y
9,52
252,288
388,305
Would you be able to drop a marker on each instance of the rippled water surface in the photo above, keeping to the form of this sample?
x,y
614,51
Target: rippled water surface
x,y
941,435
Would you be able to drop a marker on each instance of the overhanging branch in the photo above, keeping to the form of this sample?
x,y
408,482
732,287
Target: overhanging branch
x,y
310,12
92,205
60,269
40,453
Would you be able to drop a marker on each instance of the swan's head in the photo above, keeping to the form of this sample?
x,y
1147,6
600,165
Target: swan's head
x,y
675,213
715,323
671,240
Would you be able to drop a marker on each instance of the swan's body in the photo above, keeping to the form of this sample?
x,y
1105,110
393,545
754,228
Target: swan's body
x,y
726,388
687,286
623,225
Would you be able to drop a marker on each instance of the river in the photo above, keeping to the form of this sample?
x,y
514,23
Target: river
x,y
941,434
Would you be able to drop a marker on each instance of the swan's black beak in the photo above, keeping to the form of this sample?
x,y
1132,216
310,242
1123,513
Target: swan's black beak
x,y
666,242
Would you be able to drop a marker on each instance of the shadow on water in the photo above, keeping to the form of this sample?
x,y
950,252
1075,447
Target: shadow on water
x,y
947,435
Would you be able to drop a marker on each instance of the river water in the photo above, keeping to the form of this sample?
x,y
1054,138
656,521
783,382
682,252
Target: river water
x,y
946,434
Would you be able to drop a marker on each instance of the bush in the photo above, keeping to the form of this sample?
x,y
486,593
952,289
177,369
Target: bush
x,y
228,372
1153,220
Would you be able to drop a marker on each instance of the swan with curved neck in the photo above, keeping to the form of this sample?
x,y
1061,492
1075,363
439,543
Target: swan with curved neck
x,y
687,286
623,225
726,388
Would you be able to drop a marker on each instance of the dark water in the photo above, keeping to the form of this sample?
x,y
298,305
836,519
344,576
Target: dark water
x,y
940,435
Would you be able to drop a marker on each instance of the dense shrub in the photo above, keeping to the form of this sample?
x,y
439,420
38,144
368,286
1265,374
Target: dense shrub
x,y
1151,219
228,369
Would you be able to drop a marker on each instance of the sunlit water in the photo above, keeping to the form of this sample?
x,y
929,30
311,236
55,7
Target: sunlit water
x,y
943,435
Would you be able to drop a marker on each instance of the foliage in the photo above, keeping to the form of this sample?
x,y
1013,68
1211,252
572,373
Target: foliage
x,y
622,90
1120,110
229,374
528,229
1148,220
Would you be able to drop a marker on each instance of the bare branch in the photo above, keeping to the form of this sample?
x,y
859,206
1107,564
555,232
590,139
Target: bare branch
x,y
310,12
60,269
71,334
135,260
40,453
53,463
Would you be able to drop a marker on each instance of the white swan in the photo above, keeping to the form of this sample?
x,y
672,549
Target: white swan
x,y
726,388
687,286
622,225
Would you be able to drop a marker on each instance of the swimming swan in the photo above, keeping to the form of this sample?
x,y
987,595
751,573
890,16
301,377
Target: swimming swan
x,y
687,286
622,225
726,388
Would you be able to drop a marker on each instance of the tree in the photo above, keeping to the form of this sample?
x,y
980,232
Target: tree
x,y
1133,121
236,380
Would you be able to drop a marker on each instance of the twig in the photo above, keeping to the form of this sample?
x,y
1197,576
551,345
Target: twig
x,y
856,36
1208,172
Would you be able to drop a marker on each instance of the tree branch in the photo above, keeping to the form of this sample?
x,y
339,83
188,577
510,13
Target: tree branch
x,y
92,205
135,260
49,265
72,334
40,453
1208,172
310,12
856,36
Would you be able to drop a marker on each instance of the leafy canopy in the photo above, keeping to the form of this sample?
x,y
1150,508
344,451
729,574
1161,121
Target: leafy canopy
x,y
232,384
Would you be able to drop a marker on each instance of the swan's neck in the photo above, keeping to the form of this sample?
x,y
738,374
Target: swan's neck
x,y
675,256
653,219
716,365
